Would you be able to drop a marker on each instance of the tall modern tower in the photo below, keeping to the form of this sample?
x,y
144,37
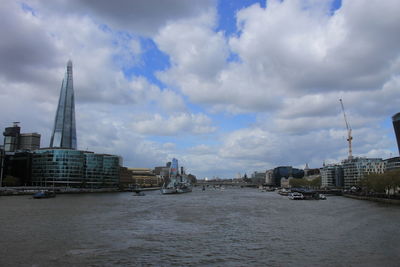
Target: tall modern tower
x,y
396,126
64,131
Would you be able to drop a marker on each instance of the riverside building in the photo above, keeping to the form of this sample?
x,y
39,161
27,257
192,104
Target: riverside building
x,y
14,140
392,163
74,168
356,168
331,176
16,156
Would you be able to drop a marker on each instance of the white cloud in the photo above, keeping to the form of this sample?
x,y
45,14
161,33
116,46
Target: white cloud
x,y
282,58
293,64
178,124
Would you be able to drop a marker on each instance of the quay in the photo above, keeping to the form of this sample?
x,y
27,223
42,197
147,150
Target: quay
x,y
30,190
375,199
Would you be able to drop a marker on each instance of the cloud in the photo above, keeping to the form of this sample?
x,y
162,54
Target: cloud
x,y
281,58
287,66
143,17
179,124
24,46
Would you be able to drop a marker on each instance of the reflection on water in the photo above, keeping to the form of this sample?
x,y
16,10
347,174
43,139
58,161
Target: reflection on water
x,y
234,227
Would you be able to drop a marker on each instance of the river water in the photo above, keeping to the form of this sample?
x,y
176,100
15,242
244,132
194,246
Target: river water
x,y
233,227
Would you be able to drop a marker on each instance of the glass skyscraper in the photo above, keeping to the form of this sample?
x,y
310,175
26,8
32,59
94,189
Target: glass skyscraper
x,y
64,131
396,126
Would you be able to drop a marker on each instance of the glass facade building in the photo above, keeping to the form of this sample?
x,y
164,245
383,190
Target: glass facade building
x,y
93,169
57,167
64,131
74,168
286,172
110,170
396,126
11,138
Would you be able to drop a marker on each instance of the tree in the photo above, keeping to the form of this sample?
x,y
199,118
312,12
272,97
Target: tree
x,y
297,182
316,183
387,182
294,182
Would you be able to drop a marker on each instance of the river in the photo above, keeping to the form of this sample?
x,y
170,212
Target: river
x,y
233,227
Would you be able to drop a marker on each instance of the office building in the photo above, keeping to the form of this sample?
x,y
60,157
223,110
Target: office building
x,y
356,168
16,156
29,141
17,169
11,137
392,163
14,140
74,168
258,177
286,172
64,131
396,126
332,176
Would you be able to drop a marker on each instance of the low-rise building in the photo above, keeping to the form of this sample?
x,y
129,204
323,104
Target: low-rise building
x,y
125,178
144,177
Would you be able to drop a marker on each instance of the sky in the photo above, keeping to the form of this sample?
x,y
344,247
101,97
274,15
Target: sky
x,y
226,87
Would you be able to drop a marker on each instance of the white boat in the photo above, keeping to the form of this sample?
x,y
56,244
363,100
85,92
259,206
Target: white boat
x,y
295,196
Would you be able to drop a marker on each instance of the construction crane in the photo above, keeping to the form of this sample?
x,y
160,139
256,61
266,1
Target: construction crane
x,y
349,137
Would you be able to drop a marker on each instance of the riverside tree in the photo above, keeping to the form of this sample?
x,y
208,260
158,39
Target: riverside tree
x,y
388,182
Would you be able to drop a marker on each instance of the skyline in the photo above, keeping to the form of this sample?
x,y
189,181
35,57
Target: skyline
x,y
225,87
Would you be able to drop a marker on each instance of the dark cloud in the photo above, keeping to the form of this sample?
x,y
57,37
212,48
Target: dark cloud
x,y
25,47
140,16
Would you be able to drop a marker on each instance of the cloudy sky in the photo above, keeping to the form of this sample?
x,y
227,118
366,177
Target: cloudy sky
x,y
226,87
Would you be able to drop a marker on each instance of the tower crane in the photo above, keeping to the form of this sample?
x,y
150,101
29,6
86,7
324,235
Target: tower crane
x,y
349,137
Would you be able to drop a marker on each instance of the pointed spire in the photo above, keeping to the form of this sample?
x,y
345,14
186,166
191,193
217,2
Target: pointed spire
x,y
64,131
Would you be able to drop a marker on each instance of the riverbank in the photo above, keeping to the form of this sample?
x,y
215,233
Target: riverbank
x,y
375,199
18,191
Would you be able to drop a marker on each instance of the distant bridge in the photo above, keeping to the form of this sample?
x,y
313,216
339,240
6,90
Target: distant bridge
x,y
224,183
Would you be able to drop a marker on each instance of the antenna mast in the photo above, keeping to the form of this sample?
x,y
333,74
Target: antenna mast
x,y
349,137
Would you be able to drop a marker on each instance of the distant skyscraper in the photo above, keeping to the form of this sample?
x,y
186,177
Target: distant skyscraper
x,y
396,126
64,131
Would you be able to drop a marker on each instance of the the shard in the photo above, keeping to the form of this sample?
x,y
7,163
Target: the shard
x,y
64,131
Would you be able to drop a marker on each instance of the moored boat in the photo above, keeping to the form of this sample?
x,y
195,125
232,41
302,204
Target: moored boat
x,y
296,196
44,194
137,192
